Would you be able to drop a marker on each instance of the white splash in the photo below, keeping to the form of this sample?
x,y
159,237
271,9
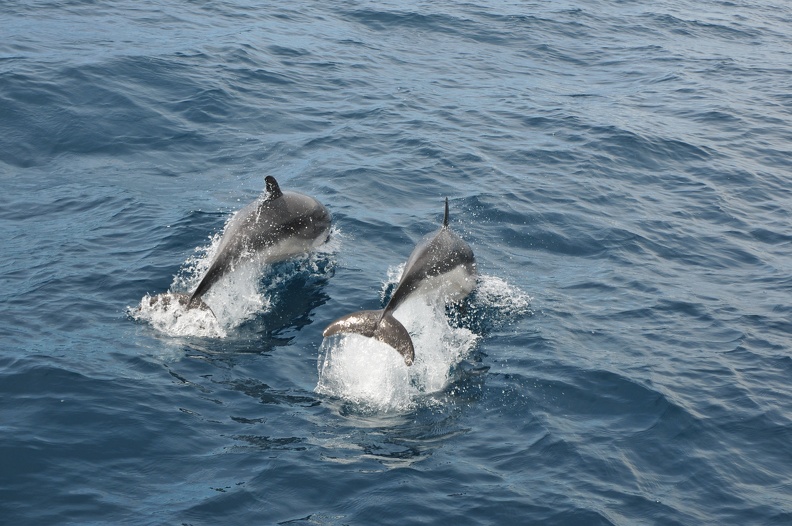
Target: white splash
x,y
495,293
174,319
374,376
240,295
391,280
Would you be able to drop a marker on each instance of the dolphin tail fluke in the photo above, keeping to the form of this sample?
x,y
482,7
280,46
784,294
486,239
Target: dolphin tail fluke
x,y
391,331
376,324
182,299
363,323
194,300
199,304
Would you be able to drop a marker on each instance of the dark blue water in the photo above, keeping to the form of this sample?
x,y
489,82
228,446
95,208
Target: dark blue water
x,y
621,170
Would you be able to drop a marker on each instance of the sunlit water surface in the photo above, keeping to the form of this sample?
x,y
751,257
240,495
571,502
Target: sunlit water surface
x,y
620,169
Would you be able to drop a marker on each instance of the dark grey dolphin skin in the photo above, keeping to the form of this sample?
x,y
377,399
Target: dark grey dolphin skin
x,y
441,263
275,227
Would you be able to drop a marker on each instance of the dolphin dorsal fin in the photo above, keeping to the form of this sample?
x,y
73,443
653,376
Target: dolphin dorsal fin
x,y
445,216
273,190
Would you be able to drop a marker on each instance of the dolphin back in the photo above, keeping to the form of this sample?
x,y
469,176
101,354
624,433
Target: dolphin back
x,y
279,225
377,324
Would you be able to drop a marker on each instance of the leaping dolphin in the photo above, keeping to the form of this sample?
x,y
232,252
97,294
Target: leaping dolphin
x,y
441,263
274,227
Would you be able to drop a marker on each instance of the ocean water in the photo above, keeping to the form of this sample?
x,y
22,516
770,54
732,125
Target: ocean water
x,y
621,170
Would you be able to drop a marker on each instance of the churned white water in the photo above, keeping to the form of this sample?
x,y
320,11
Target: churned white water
x,y
372,374
245,292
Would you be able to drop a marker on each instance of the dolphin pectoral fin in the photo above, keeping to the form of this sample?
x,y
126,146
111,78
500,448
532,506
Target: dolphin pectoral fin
x,y
375,324
363,323
391,331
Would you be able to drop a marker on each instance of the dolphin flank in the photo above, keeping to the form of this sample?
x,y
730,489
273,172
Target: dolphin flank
x,y
273,228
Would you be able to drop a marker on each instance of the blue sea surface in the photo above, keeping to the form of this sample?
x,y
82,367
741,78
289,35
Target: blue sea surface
x,y
621,170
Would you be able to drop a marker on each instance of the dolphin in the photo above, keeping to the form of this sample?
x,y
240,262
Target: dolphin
x,y
441,263
274,227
